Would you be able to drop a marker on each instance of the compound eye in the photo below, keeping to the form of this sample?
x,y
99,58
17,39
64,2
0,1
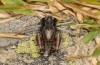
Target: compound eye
x,y
54,22
45,18
53,18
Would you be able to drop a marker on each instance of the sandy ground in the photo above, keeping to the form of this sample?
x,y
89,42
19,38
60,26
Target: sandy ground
x,y
28,25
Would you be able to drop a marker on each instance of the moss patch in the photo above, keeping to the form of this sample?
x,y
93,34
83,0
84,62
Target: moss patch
x,y
29,47
65,39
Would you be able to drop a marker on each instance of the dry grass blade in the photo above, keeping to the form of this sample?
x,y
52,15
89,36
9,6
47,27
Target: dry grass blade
x,y
79,17
97,39
86,8
94,61
10,35
52,8
39,7
59,6
77,57
9,19
70,12
40,14
77,9
90,5
58,17
4,14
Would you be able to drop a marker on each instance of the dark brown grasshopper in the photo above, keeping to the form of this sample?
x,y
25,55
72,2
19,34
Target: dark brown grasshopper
x,y
48,37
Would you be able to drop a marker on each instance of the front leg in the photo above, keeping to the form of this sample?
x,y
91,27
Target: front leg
x,y
40,42
57,41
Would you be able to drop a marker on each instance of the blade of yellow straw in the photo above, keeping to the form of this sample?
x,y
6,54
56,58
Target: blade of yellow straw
x,y
11,35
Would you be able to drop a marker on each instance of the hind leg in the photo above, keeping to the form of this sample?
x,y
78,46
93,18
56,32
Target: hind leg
x,y
56,43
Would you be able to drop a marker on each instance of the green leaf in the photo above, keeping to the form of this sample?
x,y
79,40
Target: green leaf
x,y
17,9
95,2
41,0
9,7
14,2
90,36
18,6
96,52
24,11
89,21
67,0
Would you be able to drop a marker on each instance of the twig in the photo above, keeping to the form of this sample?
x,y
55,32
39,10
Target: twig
x,y
11,35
